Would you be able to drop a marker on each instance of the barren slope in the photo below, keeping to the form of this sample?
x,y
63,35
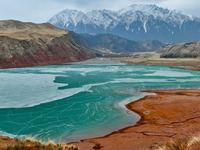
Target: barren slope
x,y
29,44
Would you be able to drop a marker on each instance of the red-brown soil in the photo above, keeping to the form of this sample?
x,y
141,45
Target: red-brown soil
x,y
170,114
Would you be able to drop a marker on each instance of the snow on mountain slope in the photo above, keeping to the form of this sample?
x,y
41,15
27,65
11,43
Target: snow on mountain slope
x,y
68,17
136,22
103,17
145,12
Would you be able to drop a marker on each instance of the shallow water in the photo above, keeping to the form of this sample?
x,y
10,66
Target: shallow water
x,y
71,102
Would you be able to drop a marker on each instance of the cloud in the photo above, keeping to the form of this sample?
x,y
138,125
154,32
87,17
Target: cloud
x,y
189,7
87,5
41,10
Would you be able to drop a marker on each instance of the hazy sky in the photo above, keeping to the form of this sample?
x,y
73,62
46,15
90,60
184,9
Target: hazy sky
x,y
41,10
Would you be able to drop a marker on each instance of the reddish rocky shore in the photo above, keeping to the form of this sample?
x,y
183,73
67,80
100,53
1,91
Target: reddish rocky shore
x,y
171,114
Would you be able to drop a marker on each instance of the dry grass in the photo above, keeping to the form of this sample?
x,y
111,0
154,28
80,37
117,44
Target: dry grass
x,y
29,31
29,144
40,146
182,144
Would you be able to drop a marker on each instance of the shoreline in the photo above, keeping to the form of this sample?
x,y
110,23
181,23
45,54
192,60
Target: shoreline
x,y
147,129
181,63
171,114
178,63
90,143
127,107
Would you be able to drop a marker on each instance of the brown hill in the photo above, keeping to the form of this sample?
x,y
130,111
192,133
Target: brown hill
x,y
28,44
182,50
152,45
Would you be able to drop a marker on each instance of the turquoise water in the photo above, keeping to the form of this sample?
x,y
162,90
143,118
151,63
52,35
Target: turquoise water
x,y
71,102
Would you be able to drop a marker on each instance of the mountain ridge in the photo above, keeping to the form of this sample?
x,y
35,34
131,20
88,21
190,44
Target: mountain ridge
x,y
113,44
136,22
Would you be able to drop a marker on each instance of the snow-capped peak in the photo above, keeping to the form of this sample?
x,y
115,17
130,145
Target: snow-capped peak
x,y
141,7
68,17
169,16
136,22
104,18
133,22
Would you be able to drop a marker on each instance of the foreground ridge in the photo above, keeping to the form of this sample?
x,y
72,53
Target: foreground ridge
x,y
28,44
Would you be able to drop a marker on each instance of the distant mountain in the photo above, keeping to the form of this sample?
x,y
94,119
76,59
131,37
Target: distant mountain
x,y
114,43
88,44
28,44
136,22
182,50
111,44
152,45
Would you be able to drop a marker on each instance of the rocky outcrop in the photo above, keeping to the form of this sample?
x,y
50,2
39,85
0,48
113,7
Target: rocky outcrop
x,y
28,44
182,50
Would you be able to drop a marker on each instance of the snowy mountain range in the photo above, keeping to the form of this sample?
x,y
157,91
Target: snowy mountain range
x,y
136,22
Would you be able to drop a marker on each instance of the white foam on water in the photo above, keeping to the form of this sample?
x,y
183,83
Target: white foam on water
x,y
170,74
84,69
132,80
52,70
138,96
122,80
3,133
27,90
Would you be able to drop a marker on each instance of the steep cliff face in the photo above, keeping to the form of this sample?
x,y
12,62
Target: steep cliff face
x,y
28,44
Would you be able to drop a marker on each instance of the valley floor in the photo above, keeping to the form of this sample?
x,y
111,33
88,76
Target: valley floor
x,y
185,63
171,114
